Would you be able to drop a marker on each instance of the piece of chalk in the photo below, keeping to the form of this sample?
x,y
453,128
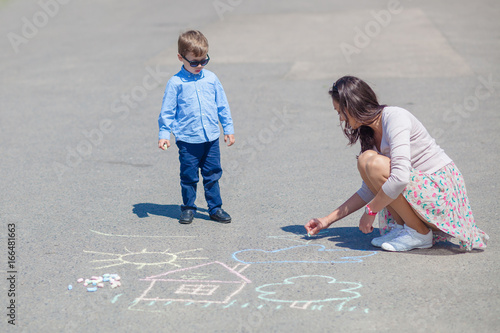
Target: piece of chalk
x,y
70,287
308,235
100,285
92,289
80,280
165,146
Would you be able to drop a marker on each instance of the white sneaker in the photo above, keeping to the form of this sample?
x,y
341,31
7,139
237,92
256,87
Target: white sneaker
x,y
393,233
409,239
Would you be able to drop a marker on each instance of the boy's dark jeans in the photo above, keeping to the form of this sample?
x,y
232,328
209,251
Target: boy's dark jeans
x,y
204,156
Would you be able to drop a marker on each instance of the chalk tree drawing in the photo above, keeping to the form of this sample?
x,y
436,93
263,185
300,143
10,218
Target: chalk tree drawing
x,y
302,291
208,283
310,253
144,258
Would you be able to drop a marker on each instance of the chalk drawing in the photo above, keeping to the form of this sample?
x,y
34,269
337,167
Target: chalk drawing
x,y
137,236
115,298
197,289
157,306
144,258
299,238
311,253
195,276
219,284
300,292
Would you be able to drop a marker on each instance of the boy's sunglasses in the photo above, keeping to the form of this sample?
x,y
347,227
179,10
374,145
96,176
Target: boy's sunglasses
x,y
196,63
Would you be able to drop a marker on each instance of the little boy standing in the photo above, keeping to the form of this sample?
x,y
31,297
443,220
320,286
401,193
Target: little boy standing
x,y
193,104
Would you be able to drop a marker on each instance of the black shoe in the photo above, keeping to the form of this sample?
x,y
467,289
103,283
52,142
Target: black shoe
x,y
186,216
221,216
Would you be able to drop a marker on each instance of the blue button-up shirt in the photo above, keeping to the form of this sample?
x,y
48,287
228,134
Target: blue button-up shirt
x,y
193,105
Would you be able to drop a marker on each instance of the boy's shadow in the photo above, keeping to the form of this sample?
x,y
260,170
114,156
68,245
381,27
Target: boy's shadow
x,y
143,210
352,238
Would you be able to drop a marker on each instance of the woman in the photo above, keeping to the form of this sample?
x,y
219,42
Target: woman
x,y
408,179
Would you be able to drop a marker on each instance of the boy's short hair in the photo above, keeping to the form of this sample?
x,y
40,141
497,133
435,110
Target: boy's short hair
x,y
192,41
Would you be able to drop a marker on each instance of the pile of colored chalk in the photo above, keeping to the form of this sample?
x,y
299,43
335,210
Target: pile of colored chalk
x,y
96,282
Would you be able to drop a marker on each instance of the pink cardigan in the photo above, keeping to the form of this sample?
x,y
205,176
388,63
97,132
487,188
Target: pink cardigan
x,y
408,144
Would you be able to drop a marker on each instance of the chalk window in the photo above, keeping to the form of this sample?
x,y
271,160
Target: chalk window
x,y
197,289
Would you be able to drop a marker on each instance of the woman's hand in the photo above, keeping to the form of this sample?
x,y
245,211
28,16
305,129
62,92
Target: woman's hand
x,y
366,223
314,226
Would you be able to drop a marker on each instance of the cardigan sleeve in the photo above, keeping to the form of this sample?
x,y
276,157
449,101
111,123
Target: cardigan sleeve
x,y
365,193
397,127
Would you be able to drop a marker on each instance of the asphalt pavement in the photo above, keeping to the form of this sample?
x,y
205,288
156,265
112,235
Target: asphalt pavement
x,y
86,192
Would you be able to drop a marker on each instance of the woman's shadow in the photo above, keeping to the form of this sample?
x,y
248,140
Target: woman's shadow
x,y
143,210
352,238
347,237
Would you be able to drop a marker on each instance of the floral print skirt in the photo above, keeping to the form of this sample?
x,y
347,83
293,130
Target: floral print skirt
x,y
441,199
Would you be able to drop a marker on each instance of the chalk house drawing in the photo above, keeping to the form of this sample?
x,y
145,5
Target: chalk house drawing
x,y
212,282
144,258
311,253
300,292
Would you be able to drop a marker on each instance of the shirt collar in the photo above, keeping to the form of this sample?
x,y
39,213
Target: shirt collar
x,y
188,74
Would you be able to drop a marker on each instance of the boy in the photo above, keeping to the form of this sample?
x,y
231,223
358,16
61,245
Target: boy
x,y
193,104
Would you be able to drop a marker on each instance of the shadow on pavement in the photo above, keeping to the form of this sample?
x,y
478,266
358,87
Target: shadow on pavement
x,y
442,249
352,238
347,237
143,210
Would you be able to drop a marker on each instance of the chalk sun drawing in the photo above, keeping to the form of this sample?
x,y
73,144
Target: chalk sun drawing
x,y
311,253
302,291
144,258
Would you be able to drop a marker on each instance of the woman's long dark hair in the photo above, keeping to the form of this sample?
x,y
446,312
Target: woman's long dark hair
x,y
357,99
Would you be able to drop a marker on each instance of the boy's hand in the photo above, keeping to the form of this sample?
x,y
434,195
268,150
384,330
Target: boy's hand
x,y
229,137
162,142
